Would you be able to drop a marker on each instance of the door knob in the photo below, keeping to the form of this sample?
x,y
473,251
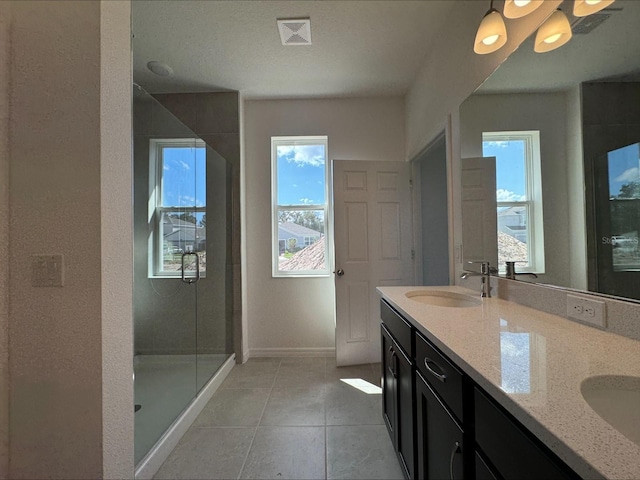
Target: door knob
x,y
339,272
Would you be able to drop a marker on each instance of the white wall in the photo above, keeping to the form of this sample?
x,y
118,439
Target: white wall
x,y
70,194
5,11
297,315
116,223
452,71
576,193
546,113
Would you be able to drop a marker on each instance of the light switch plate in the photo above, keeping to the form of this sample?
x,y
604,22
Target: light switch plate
x,y
47,270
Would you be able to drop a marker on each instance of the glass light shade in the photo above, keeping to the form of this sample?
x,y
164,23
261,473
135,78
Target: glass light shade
x,y
553,33
520,8
582,8
492,33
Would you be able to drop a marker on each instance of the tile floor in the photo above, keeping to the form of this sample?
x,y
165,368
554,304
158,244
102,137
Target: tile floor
x,y
289,418
164,385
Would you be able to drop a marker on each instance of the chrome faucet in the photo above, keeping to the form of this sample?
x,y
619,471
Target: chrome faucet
x,y
510,271
485,273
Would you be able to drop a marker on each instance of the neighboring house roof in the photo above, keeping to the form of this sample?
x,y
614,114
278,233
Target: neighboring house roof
x,y
186,235
512,211
309,258
510,249
298,230
177,222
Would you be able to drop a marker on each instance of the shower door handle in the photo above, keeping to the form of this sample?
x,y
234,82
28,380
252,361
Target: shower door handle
x,y
195,279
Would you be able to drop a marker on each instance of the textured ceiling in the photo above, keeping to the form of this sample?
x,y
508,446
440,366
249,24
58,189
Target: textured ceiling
x,y
610,51
360,48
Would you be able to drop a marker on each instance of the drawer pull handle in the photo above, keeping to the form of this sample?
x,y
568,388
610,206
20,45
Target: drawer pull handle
x,y
440,376
391,364
456,449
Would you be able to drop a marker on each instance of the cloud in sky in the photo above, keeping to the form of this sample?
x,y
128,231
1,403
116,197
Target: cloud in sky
x,y
629,175
307,201
503,195
496,143
303,155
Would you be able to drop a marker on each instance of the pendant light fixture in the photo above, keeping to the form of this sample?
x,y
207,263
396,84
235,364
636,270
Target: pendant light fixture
x,y
582,8
492,32
520,8
554,32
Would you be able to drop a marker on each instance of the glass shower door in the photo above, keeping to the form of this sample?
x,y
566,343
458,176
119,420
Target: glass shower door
x,y
169,203
214,328
183,301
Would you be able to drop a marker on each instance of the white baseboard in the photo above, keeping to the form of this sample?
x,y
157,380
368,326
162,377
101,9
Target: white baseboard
x,y
246,356
152,462
292,352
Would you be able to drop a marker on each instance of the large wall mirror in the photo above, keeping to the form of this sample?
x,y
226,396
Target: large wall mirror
x,y
560,134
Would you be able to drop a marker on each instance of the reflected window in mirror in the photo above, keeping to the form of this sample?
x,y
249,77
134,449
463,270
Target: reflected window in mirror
x,y
624,201
519,197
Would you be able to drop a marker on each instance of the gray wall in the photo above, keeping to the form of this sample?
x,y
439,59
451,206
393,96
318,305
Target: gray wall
x,y
434,213
214,117
297,315
545,112
610,120
165,309
4,237
70,388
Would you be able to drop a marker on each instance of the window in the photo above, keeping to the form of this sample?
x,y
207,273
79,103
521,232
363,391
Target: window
x,y
300,214
177,205
519,198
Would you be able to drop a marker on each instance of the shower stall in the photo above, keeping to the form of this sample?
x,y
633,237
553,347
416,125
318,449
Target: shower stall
x,y
183,312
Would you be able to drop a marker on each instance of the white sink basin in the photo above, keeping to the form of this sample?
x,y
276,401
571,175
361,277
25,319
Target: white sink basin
x,y
616,399
443,298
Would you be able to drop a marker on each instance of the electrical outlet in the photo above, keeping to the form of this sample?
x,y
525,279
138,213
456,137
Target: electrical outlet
x,y
586,310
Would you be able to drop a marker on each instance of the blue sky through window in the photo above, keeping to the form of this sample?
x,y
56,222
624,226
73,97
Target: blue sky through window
x,y
510,168
184,177
624,166
301,174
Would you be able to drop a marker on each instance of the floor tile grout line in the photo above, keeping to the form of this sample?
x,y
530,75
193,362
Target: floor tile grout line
x,y
244,463
324,407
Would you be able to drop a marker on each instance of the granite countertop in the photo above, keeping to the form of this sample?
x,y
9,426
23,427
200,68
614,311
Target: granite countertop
x,y
533,363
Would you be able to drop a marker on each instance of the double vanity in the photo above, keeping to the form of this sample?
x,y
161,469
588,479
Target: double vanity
x,y
487,388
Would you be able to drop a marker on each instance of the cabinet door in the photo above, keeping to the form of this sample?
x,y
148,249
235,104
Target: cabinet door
x,y
388,384
439,438
512,450
404,412
483,471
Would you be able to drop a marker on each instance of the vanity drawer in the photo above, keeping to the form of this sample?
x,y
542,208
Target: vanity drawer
x,y
397,326
511,448
441,374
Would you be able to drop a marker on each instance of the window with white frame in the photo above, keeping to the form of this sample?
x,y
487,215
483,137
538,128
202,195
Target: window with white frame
x,y
177,206
300,210
519,198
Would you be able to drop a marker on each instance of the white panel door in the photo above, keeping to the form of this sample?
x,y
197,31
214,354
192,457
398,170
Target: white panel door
x,y
373,247
479,215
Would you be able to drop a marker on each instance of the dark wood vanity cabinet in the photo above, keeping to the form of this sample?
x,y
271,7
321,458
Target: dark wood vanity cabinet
x,y
397,389
442,425
508,450
439,441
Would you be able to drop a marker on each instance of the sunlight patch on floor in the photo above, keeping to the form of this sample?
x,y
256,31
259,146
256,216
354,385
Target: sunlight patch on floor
x,y
362,385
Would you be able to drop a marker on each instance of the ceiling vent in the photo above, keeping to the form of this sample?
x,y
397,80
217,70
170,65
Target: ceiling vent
x,y
295,31
585,25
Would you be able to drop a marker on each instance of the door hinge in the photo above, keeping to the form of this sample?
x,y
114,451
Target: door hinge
x,y
413,254
411,183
